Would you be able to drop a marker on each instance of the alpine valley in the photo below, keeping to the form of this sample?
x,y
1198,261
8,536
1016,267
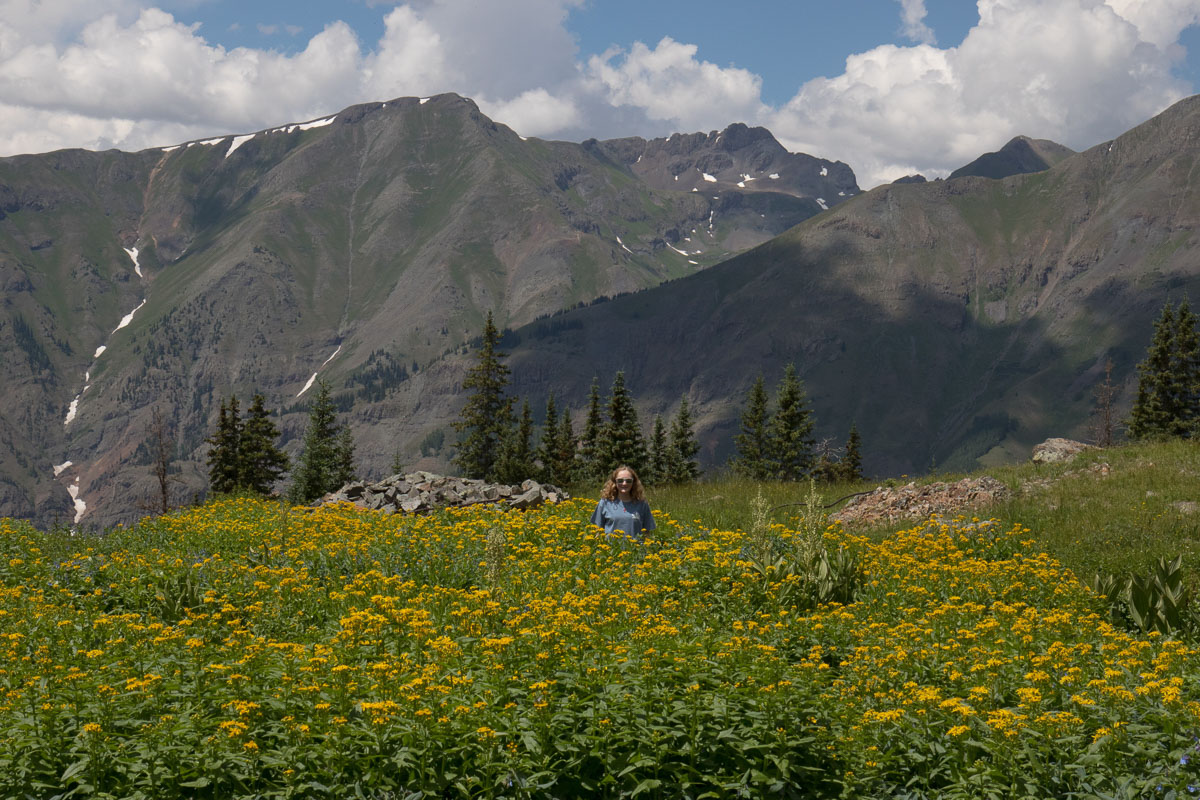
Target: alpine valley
x,y
956,322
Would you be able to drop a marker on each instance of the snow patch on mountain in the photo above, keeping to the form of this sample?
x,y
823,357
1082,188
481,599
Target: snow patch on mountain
x,y
238,141
80,505
317,123
133,256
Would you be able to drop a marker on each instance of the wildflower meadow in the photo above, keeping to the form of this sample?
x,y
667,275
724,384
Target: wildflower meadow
x,y
250,649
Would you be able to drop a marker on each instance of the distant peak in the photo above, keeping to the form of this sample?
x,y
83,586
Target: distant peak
x,y
740,135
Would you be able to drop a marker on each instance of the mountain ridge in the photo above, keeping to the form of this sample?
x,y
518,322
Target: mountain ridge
x,y
361,246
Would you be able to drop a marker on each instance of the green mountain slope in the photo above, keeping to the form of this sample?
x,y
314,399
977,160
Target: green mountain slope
x,y
956,322
361,246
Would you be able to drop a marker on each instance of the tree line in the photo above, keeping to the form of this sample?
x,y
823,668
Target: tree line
x,y
777,443
497,443
244,456
1167,404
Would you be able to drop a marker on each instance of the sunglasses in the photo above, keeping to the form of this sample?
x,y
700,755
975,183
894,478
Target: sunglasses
x,y
624,480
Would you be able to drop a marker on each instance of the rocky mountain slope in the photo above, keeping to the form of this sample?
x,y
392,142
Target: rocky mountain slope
x,y
957,322
1019,156
363,247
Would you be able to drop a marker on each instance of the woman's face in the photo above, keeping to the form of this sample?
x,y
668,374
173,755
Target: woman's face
x,y
624,482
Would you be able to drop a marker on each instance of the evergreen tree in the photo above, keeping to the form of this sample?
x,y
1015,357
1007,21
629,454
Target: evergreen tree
x,y
850,467
684,447
548,443
754,442
224,463
591,465
516,456
790,442
260,462
566,465
1165,404
486,417
556,451
660,453
621,440
328,452
343,459
1185,373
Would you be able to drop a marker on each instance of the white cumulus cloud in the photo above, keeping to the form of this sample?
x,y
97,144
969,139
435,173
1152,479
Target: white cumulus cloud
x,y
103,73
1076,71
912,19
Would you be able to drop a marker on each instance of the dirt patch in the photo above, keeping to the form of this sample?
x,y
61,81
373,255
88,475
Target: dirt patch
x,y
893,503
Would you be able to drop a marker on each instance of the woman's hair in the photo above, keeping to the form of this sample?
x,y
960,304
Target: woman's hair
x,y
610,487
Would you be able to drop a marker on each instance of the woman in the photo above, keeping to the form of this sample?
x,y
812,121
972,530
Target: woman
x,y
623,507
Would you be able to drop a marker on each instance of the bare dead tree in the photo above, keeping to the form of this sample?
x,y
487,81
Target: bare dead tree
x,y
162,450
1103,423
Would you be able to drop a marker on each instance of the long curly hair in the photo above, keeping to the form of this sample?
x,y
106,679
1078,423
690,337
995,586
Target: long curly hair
x,y
610,487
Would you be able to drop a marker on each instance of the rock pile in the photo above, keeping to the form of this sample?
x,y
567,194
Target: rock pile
x,y
1055,451
423,492
888,504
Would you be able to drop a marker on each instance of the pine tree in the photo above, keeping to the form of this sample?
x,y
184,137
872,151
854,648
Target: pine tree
x,y
684,447
1156,409
486,418
621,440
590,465
754,442
548,443
556,450
260,462
789,453
343,460
850,467
1185,373
224,470
660,453
515,464
328,452
566,451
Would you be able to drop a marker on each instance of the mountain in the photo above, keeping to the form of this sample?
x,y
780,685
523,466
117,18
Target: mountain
x,y
363,246
956,322
1019,156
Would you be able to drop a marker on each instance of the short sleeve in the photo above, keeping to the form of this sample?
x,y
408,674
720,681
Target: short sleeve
x,y
647,517
598,515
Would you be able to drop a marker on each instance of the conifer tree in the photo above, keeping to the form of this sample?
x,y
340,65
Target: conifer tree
x,y
344,459
790,442
224,463
621,439
516,455
566,458
556,450
850,467
1166,402
593,428
660,453
260,462
486,418
1185,373
548,442
754,442
326,462
684,447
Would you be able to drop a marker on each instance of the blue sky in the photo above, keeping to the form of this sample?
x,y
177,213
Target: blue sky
x,y
889,86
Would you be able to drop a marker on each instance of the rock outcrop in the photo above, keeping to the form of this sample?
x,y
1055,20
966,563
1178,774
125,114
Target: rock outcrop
x,y
423,492
1057,451
889,504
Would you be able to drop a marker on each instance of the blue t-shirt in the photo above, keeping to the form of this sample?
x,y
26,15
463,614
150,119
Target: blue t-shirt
x,y
627,518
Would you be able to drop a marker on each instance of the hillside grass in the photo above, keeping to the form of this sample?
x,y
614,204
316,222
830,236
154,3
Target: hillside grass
x,y
1112,510
245,648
